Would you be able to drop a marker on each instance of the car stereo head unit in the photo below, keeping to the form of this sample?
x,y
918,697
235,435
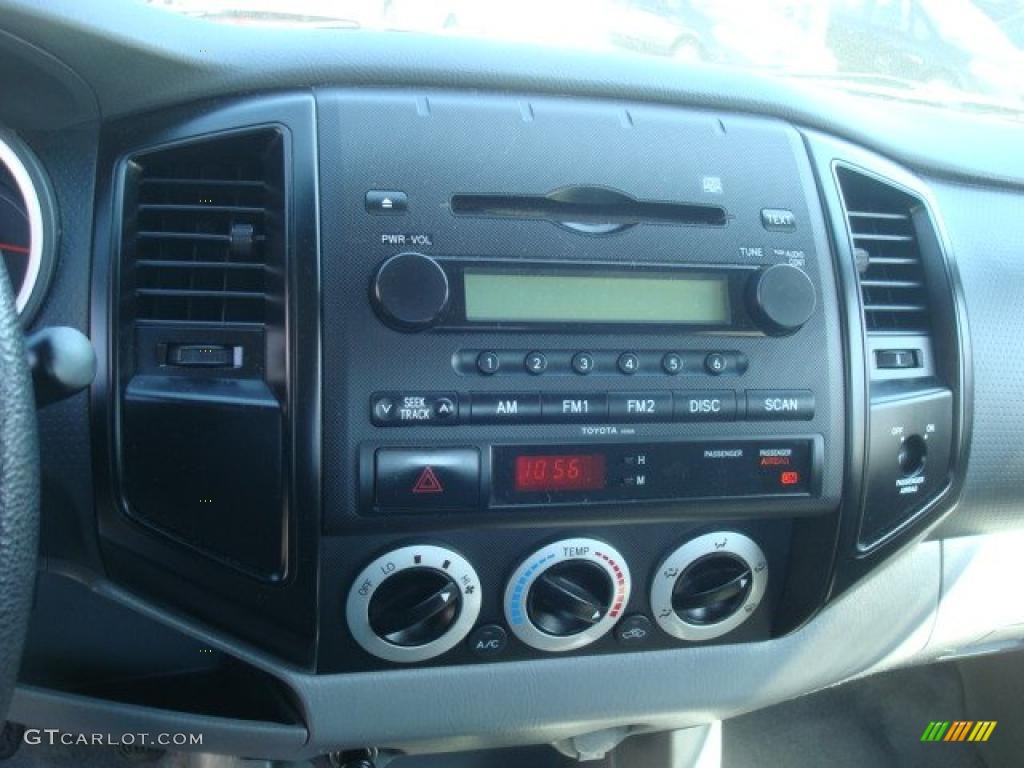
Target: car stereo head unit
x,y
412,291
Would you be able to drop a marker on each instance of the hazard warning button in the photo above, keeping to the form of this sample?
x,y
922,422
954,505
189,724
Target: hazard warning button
x,y
426,480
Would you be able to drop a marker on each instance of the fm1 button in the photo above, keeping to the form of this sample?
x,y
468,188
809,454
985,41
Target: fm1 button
x,y
634,630
488,641
427,480
561,409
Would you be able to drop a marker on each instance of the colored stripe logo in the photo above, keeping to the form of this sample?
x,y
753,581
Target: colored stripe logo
x,y
959,730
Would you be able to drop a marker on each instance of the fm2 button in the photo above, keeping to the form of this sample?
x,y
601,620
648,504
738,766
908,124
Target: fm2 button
x,y
427,480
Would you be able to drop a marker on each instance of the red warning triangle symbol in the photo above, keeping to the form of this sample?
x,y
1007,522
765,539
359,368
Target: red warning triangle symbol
x,y
428,482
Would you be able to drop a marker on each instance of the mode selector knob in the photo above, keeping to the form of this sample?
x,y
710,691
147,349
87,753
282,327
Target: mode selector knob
x,y
781,299
413,603
709,586
410,291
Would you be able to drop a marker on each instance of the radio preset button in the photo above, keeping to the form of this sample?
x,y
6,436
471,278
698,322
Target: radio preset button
x,y
780,404
536,363
641,406
500,408
705,405
488,363
716,363
629,363
672,364
583,363
571,408
414,409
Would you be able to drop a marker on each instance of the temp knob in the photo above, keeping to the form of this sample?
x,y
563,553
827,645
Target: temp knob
x,y
567,595
413,603
410,291
781,299
709,586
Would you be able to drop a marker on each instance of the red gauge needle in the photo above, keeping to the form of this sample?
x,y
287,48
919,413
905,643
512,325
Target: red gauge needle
x,y
13,248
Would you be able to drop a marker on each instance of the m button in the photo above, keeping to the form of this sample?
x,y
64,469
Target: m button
x,y
427,480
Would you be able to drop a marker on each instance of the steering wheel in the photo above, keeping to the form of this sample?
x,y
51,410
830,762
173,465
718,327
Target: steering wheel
x,y
19,492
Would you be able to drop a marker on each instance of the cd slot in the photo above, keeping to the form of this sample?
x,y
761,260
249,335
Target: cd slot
x,y
595,211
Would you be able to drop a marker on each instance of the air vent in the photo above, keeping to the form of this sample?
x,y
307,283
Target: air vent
x,y
892,277
204,224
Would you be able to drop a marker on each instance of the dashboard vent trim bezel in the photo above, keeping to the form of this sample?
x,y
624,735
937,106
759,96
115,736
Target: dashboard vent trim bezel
x,y
881,222
205,223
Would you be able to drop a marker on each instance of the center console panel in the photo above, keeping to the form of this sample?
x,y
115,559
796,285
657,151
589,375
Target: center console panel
x,y
591,351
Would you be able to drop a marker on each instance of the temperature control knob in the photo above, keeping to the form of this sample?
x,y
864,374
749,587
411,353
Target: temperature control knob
x,y
414,603
781,299
410,291
709,586
567,595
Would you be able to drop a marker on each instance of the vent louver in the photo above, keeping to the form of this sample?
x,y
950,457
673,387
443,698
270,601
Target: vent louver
x,y
892,277
204,224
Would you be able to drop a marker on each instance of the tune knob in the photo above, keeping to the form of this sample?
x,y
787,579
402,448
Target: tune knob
x,y
410,291
414,603
567,595
781,299
709,586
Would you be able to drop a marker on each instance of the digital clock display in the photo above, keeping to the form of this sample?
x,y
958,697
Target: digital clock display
x,y
562,472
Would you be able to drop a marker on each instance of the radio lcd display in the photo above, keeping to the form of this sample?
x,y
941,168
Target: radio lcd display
x,y
494,295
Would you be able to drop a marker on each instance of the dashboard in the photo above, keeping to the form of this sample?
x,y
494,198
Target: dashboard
x,y
424,368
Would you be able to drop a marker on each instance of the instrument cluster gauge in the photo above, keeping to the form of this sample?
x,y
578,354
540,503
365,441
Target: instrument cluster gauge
x,y
28,228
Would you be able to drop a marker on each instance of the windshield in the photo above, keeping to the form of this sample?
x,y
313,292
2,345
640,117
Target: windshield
x,y
961,53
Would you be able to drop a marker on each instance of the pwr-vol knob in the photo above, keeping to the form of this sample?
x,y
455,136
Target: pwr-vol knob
x,y
414,603
709,586
567,595
410,291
